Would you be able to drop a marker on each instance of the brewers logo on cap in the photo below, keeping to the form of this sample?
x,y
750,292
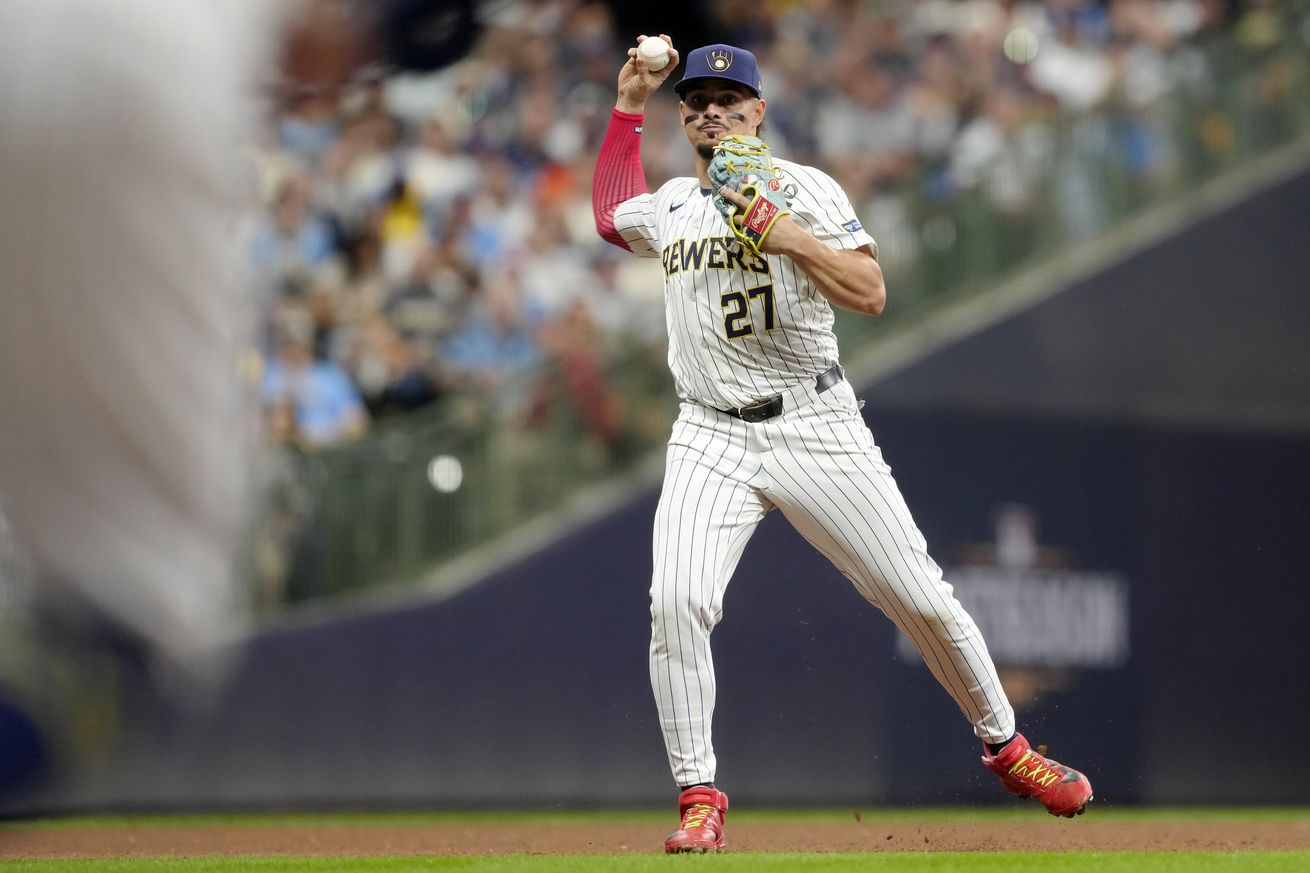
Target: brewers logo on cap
x,y
719,61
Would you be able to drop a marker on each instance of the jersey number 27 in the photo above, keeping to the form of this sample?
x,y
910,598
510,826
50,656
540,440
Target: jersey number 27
x,y
737,321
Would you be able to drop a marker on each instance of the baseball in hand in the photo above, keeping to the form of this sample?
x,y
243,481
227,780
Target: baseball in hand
x,y
655,52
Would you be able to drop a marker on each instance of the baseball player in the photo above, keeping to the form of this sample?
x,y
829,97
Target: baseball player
x,y
756,253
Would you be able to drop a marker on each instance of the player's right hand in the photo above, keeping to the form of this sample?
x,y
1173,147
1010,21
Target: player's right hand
x,y
637,83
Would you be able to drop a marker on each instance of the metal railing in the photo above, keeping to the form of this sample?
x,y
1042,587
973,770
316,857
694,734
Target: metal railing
x,y
422,489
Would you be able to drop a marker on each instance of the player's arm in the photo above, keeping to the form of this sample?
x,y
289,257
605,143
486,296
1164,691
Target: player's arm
x,y
823,236
618,176
849,278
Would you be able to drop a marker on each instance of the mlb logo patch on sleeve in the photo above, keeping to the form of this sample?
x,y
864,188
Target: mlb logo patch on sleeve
x,y
853,225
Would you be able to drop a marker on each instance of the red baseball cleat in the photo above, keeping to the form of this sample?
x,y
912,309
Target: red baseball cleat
x,y
701,830
1027,773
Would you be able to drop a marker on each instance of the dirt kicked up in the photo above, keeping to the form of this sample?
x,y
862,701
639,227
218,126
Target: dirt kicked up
x,y
775,835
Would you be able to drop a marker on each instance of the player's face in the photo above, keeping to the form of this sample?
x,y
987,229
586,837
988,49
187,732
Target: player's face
x,y
717,109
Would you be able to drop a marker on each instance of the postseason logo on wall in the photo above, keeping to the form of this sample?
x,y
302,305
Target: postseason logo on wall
x,y
1036,610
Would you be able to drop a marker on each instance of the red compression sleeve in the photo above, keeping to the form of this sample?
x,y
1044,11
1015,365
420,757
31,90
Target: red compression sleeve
x,y
618,174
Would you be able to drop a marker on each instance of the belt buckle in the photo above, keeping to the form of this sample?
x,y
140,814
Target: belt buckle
x,y
761,411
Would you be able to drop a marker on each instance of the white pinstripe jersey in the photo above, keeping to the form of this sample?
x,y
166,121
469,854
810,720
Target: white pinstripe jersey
x,y
741,327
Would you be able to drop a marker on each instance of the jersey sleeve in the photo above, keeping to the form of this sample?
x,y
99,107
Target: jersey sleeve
x,y
821,207
619,180
634,220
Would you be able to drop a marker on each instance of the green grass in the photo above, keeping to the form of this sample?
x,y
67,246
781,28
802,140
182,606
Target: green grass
x,y
744,862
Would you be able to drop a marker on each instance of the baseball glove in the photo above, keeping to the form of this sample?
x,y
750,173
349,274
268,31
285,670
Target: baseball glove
x,y
743,164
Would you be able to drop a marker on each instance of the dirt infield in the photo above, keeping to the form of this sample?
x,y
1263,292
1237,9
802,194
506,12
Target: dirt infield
x,y
854,836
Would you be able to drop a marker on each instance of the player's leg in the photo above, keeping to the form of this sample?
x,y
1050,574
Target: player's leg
x,y
834,486
707,511
831,482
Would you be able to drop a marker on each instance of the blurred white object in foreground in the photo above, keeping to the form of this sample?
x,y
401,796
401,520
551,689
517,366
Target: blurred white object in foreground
x,y
123,443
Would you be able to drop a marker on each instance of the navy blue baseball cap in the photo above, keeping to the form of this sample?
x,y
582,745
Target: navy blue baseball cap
x,y
721,62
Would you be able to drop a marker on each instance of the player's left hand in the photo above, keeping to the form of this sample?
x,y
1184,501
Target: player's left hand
x,y
744,165
778,237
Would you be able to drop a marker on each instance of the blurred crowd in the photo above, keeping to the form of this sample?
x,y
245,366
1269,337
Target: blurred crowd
x,y
430,236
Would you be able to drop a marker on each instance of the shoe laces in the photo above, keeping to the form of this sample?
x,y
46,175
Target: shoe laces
x,y
1036,770
696,815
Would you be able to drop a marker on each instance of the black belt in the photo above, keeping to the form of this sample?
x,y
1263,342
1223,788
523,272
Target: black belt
x,y
772,407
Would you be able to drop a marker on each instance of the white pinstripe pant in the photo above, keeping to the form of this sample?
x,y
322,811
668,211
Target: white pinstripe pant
x,y
819,465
